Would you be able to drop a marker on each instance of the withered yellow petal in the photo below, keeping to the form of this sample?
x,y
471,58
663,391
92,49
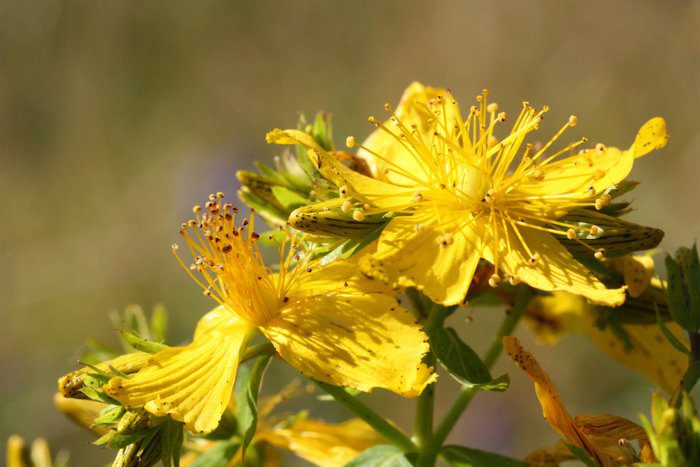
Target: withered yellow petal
x,y
324,444
553,408
192,384
414,252
652,135
71,384
555,269
637,272
361,341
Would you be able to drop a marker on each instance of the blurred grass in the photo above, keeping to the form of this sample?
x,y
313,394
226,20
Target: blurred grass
x,y
116,117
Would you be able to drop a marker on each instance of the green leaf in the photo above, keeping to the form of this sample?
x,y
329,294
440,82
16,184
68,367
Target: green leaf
x,y
581,455
461,362
460,456
384,455
139,343
247,411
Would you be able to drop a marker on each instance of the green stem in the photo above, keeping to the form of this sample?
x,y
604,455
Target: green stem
x,y
423,424
522,298
380,425
257,350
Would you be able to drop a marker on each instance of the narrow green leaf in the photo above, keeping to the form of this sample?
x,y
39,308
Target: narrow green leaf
x,y
385,455
458,358
247,411
460,456
669,335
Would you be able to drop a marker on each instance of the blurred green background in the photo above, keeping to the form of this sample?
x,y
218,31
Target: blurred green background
x,y
116,117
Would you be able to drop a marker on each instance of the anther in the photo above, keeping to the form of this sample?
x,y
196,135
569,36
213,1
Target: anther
x,y
571,234
309,269
603,201
538,175
534,259
174,246
219,194
501,117
346,206
371,119
212,197
494,280
446,239
591,190
600,254
197,208
343,192
595,230
417,227
385,170
600,147
358,216
417,197
573,120
514,280
387,107
492,107
350,142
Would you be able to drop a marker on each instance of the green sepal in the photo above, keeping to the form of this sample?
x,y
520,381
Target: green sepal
x,y
384,455
461,456
171,438
289,199
139,343
462,363
159,323
110,415
247,395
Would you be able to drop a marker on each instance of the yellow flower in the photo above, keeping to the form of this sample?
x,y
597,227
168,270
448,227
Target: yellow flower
x,y
458,194
319,442
599,436
646,351
321,319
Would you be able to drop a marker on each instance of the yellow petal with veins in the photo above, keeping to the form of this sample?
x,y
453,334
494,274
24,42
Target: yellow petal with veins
x,y
192,384
555,269
361,341
324,444
359,186
414,251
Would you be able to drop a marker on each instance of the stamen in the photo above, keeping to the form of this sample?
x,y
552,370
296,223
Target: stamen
x,y
358,216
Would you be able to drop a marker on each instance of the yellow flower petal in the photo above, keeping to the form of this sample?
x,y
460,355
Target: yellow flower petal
x,y
340,276
381,194
553,408
412,110
324,444
653,135
412,251
361,341
556,269
192,384
650,353
637,272
553,316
